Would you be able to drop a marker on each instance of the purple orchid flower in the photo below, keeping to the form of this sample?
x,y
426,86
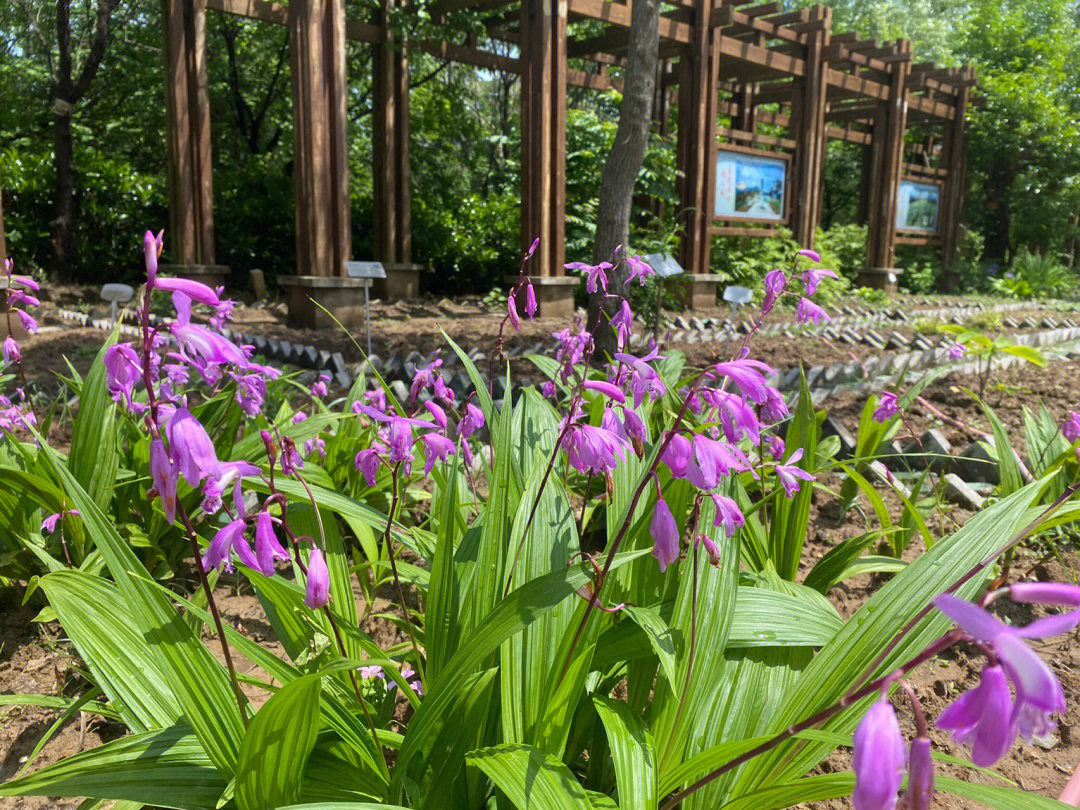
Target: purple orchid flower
x,y
634,426
436,448
605,388
1070,428
190,447
471,421
49,524
11,353
677,455
920,790
980,717
230,536
775,282
267,547
957,350
812,255
807,311
595,277
123,371
593,449
28,322
776,447
812,278
1038,692
318,580
710,460
749,376
530,300
878,758
639,269
165,475
437,414
665,535
728,514
887,407
789,474
367,461
511,310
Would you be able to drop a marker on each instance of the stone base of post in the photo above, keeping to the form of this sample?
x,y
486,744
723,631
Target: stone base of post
x,y
879,278
695,290
554,295
306,297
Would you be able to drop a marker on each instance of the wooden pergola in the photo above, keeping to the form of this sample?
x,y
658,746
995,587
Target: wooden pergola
x,y
784,82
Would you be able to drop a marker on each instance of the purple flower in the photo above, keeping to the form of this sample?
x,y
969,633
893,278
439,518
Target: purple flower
x,y
299,417
677,455
956,351
789,473
318,388
218,479
437,414
315,444
775,282
436,448
532,248
152,246
639,269
807,310
28,322
728,514
122,371
644,379
776,447
190,447
710,460
250,393
605,388
811,278
623,322
511,310
230,536
165,475
423,378
1070,428
748,375
1038,692
367,461
290,459
401,439
920,790
634,425
548,390
774,408
530,300
374,671
812,255
318,580
595,277
11,351
878,759
980,717
887,407
194,290
49,523
267,547
593,449
471,421
665,535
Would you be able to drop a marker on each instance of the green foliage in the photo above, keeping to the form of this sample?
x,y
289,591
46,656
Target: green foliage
x,y
1035,276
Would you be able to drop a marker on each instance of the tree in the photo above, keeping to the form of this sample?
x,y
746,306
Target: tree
x,y
82,39
627,154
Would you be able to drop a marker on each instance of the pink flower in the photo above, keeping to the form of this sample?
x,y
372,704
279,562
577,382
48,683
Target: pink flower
x,y
623,322
979,717
190,447
530,300
11,351
710,460
267,547
194,290
807,310
605,388
728,514
887,407
367,461
511,310
165,476
789,474
747,374
122,371
956,351
595,277
812,255
471,421
677,455
775,282
318,581
593,449
639,269
878,759
230,536
49,523
436,448
28,323
1070,429
318,388
437,413
634,425
813,277
424,377
665,535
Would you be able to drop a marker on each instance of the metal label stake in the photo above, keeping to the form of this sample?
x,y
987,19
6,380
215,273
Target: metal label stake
x,y
368,271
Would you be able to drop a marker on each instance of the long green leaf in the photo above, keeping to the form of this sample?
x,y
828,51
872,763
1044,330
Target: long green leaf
x,y
275,749
165,768
766,618
531,779
93,459
632,751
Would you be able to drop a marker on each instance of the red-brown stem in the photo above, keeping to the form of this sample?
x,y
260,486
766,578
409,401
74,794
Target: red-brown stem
x,y
18,363
397,580
935,648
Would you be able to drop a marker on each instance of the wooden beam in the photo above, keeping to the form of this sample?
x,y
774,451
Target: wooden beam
x,y
468,56
926,106
762,57
856,85
190,159
612,39
729,16
849,135
277,13
593,81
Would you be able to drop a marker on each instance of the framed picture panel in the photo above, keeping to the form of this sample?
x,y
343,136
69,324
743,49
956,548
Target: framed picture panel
x,y
918,206
751,185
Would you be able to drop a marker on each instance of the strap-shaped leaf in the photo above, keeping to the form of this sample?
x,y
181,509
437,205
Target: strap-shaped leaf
x,y
93,459
632,752
531,779
275,749
164,768
767,618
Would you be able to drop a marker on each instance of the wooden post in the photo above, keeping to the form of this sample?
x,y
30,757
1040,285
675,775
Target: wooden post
x,y
888,150
320,149
866,181
696,147
543,133
952,203
808,119
390,141
191,190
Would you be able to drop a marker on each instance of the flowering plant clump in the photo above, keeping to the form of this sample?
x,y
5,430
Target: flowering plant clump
x,y
596,592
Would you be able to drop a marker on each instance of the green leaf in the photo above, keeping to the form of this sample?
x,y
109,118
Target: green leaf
x,y
482,394
767,618
531,779
1008,465
93,458
998,796
1029,353
788,529
830,568
705,762
165,768
632,752
197,680
276,747
660,638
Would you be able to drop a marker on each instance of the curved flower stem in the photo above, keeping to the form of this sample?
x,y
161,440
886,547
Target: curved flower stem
x,y
241,700
388,540
935,648
18,363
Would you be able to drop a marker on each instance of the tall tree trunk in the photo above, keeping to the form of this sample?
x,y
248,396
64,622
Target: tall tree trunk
x,y
623,163
63,226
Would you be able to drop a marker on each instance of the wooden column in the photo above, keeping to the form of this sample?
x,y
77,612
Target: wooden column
x,y
191,190
952,202
808,120
696,145
390,137
320,148
890,121
543,133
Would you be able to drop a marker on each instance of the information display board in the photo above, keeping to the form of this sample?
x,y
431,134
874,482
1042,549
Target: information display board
x,y
750,186
917,206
